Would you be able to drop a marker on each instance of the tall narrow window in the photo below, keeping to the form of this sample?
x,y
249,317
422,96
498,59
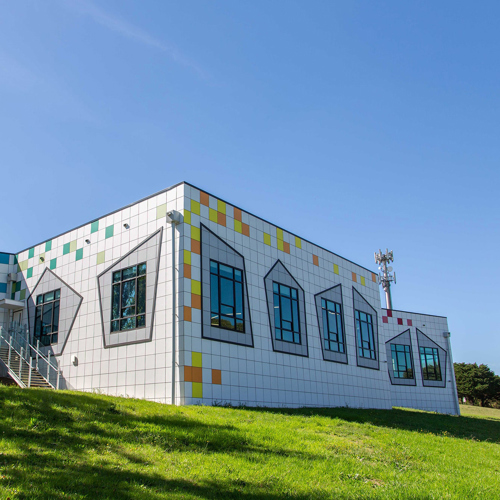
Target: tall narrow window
x,y
128,298
401,361
429,359
364,331
286,313
47,317
226,297
332,326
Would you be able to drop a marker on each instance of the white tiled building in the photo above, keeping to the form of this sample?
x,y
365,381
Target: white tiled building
x,y
262,316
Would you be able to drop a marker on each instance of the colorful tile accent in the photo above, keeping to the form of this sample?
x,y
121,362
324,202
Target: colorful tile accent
x,y
72,246
362,279
110,231
187,217
354,278
48,246
22,295
195,207
238,226
79,254
385,319
31,253
4,258
212,214
298,242
409,322
197,390
195,247
101,257
279,233
187,313
286,247
196,359
53,263
195,301
389,313
3,287
204,199
22,266
374,277
216,377
196,287
221,207
400,321
221,219
315,260
336,268
195,233
161,211
94,227
29,274
66,248
267,239
41,258
237,214
245,229
187,257
187,271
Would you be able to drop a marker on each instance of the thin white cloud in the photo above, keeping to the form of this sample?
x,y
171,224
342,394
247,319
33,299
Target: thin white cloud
x,y
128,30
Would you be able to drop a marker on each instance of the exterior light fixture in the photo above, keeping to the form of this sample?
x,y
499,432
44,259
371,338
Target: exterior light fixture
x,y
126,226
87,241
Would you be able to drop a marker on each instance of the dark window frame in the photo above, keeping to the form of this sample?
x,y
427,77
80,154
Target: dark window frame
x,y
121,319
425,369
326,318
53,335
371,342
293,300
398,371
237,320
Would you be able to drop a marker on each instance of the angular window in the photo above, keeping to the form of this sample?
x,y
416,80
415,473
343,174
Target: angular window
x,y
333,331
429,359
226,297
402,366
286,313
47,317
128,298
364,332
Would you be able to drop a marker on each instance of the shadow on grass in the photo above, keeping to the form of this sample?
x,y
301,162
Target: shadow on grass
x,y
478,429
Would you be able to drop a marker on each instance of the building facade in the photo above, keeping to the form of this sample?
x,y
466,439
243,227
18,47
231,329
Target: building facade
x,y
183,297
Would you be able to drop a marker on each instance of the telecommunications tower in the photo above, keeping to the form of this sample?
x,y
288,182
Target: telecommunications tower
x,y
385,277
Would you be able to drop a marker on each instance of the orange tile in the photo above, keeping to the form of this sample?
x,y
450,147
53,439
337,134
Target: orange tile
x,y
204,198
237,214
195,301
245,229
354,277
187,271
196,374
188,376
195,246
286,247
216,377
221,218
315,260
374,277
187,313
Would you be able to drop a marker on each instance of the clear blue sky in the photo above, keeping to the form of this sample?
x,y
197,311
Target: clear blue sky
x,y
358,125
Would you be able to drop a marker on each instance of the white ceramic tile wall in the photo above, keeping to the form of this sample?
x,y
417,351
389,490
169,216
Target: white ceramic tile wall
x,y
252,376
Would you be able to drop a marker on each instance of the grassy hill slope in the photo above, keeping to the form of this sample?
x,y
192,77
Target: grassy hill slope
x,y
86,446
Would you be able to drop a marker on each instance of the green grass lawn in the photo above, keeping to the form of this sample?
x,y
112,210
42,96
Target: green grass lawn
x,y
73,445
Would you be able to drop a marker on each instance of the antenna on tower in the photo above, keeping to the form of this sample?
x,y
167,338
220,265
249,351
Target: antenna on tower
x,y
385,277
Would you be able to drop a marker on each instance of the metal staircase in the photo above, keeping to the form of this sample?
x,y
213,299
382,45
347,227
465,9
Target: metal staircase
x,y
24,362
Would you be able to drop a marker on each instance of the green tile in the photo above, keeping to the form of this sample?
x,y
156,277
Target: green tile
x,y
72,246
110,231
79,254
18,286
48,246
53,263
31,253
66,248
101,257
15,259
30,272
22,295
94,227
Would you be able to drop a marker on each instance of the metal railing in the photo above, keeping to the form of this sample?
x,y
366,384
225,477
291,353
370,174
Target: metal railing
x,y
29,358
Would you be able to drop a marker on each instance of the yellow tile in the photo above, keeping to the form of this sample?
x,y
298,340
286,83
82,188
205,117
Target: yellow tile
x,y
72,246
267,239
187,257
101,257
196,287
280,245
221,207
212,214
23,265
237,226
335,268
195,233
197,390
187,217
196,359
363,280
161,211
279,233
298,242
195,207
41,258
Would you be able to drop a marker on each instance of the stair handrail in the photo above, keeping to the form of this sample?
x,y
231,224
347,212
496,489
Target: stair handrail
x,y
10,368
26,354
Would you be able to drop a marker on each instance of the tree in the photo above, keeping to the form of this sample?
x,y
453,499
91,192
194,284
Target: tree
x,y
477,383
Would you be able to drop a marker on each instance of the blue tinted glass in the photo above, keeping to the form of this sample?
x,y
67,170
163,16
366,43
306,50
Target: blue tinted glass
x,y
55,317
214,320
47,318
276,288
239,300
226,271
128,324
141,321
39,299
295,311
226,310
285,291
48,297
226,292
141,269
115,326
294,293
286,309
287,336
240,325
214,293
117,276
237,275
128,294
128,311
115,308
227,322
130,272
141,295
213,267
57,294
